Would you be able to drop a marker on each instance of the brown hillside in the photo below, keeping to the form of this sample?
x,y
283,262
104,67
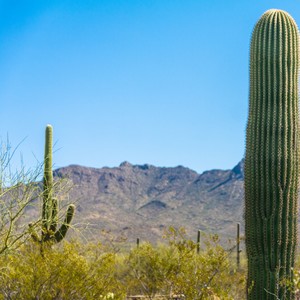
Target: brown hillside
x,y
142,200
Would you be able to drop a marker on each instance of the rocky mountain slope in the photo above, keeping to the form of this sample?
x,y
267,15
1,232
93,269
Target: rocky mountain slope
x,y
143,200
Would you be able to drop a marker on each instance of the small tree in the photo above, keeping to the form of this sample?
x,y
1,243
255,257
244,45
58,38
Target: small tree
x,y
18,192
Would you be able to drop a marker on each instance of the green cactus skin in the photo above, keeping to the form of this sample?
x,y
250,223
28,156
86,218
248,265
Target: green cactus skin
x,y
50,204
272,157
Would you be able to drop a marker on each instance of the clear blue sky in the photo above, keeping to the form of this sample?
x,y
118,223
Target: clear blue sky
x,y
163,82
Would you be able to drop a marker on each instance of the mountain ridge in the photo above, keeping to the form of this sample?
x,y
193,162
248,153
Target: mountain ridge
x,y
143,200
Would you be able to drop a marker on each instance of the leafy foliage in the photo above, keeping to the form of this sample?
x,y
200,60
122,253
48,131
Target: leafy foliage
x,y
74,270
176,268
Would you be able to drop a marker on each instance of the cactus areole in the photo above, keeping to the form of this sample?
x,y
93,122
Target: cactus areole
x,y
272,157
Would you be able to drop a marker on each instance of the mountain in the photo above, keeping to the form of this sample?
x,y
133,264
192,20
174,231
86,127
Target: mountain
x,y
142,201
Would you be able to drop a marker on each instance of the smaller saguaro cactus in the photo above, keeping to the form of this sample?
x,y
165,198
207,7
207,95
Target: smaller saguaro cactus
x,y
198,241
238,241
49,224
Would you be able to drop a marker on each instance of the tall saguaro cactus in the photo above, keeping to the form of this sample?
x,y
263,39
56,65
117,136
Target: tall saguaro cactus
x,y
50,233
272,157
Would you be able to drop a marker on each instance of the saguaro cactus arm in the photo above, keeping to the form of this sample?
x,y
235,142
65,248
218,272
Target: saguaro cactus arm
x,y
62,231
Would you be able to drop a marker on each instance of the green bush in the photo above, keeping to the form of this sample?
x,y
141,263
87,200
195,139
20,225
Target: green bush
x,y
176,268
74,270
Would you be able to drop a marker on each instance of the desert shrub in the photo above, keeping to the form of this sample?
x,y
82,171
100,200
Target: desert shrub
x,y
294,284
74,270
71,271
176,268
143,271
18,192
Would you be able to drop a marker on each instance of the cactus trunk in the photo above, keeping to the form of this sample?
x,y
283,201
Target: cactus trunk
x,y
272,157
47,183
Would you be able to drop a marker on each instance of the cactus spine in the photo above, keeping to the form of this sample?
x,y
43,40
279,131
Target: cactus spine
x,y
50,233
272,156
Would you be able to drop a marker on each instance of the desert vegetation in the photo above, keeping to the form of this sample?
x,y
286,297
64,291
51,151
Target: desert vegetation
x,y
35,266
77,270
172,269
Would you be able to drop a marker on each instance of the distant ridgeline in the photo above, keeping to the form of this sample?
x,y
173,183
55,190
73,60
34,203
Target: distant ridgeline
x,y
143,200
